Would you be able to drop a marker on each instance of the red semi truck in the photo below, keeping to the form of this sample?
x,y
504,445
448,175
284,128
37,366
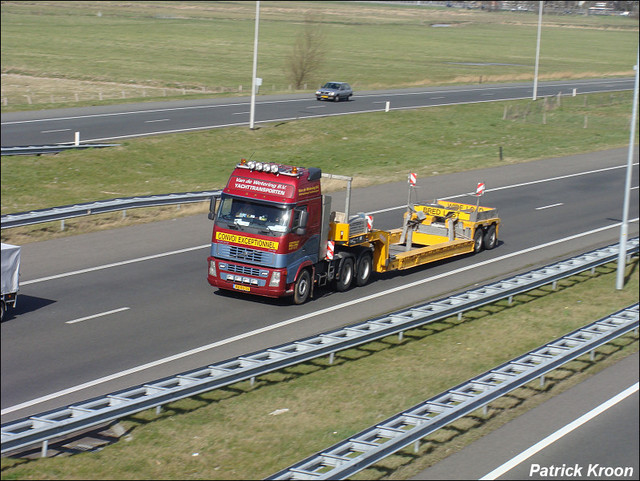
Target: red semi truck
x,y
275,234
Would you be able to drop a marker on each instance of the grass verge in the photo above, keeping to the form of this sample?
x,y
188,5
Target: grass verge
x,y
378,147
232,433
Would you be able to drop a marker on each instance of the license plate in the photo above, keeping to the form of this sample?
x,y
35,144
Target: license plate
x,y
324,96
242,288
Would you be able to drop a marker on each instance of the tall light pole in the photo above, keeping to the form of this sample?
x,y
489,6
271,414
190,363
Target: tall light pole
x,y
535,74
255,68
624,228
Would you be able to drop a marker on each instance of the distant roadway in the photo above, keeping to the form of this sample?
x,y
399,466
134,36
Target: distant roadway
x,y
116,122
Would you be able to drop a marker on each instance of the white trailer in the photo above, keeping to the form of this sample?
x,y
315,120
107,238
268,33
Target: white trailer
x,y
10,275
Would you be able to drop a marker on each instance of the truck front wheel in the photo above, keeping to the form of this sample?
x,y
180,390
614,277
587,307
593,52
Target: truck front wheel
x,y
302,288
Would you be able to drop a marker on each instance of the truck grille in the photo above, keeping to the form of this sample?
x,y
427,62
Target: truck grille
x,y
242,254
246,270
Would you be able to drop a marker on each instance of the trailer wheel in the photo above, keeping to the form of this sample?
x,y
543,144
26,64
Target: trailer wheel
x,y
478,245
346,275
490,239
302,287
365,266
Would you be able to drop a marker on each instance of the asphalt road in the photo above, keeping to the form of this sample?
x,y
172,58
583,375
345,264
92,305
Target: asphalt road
x,y
110,123
104,311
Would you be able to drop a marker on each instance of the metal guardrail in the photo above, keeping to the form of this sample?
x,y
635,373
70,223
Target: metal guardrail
x,y
100,207
80,416
50,149
358,452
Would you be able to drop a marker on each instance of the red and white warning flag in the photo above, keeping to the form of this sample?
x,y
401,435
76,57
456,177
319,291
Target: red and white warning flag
x,y
369,222
480,189
330,247
412,178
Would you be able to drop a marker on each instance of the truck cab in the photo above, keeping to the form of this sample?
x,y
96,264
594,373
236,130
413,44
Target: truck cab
x,y
267,230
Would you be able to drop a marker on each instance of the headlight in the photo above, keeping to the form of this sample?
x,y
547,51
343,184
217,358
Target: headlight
x,y
212,268
318,92
332,94
275,279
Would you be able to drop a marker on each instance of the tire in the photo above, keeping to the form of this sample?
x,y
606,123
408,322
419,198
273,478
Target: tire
x,y
337,99
478,245
346,275
302,288
490,239
364,269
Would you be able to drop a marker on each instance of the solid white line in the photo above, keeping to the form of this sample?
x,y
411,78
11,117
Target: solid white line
x,y
549,206
159,120
296,320
115,264
98,315
552,438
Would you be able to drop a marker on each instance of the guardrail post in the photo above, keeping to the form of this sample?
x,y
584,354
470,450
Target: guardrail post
x,y
332,357
510,300
386,108
400,336
592,355
459,316
485,410
554,285
62,225
542,381
45,448
124,213
252,381
416,447
158,409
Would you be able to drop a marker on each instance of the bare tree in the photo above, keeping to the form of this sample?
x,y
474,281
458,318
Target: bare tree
x,y
308,52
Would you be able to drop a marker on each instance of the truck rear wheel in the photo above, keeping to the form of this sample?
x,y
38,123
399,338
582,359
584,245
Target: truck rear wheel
x,y
365,266
490,239
346,275
302,288
478,245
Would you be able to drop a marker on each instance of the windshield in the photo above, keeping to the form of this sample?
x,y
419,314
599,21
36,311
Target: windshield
x,y
255,217
330,85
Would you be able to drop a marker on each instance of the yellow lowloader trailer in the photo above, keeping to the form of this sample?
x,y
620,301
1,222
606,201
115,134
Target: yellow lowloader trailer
x,y
430,232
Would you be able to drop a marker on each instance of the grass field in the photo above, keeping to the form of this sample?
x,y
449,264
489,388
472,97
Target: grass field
x,y
230,433
55,51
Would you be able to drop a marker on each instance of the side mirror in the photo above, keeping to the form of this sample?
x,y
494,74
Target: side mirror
x,y
213,207
301,228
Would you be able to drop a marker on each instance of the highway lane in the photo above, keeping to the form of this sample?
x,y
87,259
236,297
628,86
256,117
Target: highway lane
x,y
111,123
163,306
